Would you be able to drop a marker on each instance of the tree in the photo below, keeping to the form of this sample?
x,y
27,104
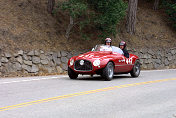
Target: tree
x,y
50,6
170,9
156,5
131,17
108,14
70,26
100,15
76,9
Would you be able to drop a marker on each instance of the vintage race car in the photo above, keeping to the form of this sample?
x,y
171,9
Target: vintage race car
x,y
105,61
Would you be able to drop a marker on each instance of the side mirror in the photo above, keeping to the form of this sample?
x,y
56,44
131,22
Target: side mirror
x,y
93,49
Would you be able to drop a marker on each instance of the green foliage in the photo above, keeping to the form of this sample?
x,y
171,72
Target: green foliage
x,y
76,8
109,14
170,8
102,15
86,37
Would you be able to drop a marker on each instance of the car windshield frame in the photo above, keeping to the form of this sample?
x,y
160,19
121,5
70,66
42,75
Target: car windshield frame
x,y
102,47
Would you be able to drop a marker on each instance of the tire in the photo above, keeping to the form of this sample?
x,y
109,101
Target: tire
x,y
135,72
72,74
108,72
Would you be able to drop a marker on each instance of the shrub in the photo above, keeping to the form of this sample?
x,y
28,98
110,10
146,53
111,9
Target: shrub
x,y
109,14
102,15
76,8
170,9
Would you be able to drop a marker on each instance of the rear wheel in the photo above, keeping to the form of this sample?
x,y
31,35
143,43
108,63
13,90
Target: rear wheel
x,y
108,71
72,74
136,69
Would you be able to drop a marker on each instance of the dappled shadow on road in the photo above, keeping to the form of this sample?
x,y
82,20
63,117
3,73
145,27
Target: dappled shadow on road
x,y
99,78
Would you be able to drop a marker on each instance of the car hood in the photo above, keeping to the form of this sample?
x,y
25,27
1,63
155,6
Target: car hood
x,y
93,55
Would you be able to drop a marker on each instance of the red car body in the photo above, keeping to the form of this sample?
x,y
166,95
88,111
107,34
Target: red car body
x,y
93,62
121,63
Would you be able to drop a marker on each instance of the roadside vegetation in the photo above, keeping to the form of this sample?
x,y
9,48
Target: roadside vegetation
x,y
170,8
100,15
104,16
53,25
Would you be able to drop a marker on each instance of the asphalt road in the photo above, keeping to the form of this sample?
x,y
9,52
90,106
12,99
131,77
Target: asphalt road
x,y
151,95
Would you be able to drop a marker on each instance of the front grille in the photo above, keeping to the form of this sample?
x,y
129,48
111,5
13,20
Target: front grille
x,y
84,66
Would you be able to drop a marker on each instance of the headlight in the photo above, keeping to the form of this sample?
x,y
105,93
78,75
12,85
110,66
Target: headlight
x,y
71,62
96,63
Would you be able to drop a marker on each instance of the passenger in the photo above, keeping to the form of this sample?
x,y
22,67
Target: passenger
x,y
122,46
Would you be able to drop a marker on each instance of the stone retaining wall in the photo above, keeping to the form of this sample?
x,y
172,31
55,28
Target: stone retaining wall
x,y
37,61
156,59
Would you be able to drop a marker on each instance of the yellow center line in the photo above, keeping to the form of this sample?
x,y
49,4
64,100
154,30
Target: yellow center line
x,y
79,94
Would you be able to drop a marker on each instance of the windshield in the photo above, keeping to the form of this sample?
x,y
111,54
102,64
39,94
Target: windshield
x,y
117,49
103,48
108,48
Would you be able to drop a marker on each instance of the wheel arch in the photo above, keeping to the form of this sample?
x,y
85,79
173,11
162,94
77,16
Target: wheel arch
x,y
137,59
112,62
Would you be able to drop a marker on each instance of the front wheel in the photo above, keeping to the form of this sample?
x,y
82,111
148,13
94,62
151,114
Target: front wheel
x,y
72,74
108,71
136,69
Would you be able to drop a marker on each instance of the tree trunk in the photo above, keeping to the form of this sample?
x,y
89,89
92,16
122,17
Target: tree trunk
x,y
50,6
131,17
156,5
70,26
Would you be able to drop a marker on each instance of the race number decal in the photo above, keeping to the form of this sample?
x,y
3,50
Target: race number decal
x,y
81,55
127,60
86,56
89,56
123,60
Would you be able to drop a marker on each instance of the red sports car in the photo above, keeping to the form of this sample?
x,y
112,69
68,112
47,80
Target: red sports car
x,y
105,61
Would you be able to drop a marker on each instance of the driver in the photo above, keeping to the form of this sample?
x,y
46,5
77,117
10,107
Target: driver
x,y
108,41
122,46
108,44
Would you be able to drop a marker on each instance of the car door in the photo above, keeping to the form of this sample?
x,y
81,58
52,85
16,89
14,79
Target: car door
x,y
123,64
126,64
119,61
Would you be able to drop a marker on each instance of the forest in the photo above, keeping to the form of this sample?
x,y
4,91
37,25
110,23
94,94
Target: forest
x,y
81,24
104,15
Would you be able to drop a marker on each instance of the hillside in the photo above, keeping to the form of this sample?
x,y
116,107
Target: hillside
x,y
26,25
